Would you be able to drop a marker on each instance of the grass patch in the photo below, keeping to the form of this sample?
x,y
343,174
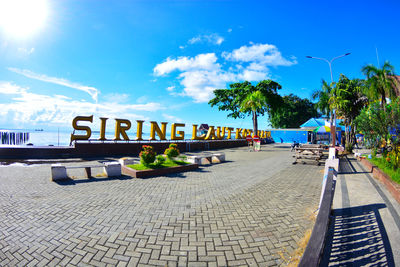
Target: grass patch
x,y
383,166
153,166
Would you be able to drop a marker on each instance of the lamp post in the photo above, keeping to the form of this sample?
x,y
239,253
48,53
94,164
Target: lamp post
x,y
333,125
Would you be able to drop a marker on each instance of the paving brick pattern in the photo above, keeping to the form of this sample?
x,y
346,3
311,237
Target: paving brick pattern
x,y
244,212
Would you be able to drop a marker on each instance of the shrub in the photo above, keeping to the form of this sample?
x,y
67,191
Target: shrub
x,y
393,158
183,157
172,151
160,159
374,152
147,155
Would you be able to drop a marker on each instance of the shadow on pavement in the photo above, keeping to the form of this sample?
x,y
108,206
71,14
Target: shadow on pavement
x,y
91,180
357,237
183,174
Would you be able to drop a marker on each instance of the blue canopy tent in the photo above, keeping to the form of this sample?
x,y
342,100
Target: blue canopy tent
x,y
313,123
320,123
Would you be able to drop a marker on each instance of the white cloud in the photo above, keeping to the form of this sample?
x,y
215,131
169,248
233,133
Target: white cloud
x,y
25,51
253,72
229,30
194,40
214,39
266,54
252,75
151,106
200,84
10,89
202,74
173,92
172,118
201,61
28,108
257,67
93,92
116,97
219,40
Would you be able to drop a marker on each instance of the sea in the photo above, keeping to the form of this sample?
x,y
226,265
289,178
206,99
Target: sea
x,y
40,137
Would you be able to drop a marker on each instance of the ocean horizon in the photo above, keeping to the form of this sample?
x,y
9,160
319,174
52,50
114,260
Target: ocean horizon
x,y
40,137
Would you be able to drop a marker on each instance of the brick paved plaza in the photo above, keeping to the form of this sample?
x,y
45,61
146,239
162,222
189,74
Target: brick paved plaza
x,y
246,211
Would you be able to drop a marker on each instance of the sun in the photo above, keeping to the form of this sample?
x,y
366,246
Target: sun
x,y
22,18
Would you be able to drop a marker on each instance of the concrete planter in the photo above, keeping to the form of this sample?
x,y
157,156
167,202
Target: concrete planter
x,y
127,161
112,169
157,172
391,186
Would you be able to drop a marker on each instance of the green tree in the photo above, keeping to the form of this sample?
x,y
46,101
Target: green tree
x,y
231,99
373,123
347,99
253,103
380,124
380,83
293,112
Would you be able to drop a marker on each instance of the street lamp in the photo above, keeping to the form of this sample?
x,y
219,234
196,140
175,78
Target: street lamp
x,y
333,127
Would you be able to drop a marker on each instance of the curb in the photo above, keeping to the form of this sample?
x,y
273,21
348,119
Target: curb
x,y
390,185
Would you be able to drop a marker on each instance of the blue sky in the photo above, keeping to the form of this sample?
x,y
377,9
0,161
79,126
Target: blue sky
x,y
161,60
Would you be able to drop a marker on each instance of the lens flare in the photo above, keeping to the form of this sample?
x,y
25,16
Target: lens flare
x,y
22,18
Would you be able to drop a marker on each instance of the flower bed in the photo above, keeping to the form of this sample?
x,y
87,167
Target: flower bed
x,y
152,164
391,186
157,171
385,164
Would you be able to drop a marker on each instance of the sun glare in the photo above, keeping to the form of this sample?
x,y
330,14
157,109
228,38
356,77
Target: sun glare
x,y
22,18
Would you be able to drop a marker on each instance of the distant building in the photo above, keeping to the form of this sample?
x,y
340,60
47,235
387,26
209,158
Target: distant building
x,y
306,134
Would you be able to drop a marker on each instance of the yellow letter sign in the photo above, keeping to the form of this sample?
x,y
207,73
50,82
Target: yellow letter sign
x,y
81,128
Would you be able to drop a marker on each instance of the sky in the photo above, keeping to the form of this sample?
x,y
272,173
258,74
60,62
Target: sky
x,y
161,60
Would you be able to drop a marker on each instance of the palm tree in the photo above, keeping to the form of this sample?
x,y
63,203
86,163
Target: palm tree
x,y
323,95
380,82
254,102
348,100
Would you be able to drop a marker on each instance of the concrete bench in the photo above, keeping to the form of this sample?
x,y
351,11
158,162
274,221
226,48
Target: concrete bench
x,y
59,172
205,159
218,157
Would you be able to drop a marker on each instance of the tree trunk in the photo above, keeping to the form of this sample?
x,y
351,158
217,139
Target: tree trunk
x,y
383,102
353,135
331,123
255,124
347,133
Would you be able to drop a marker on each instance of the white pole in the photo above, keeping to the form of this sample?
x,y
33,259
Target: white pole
x,y
333,125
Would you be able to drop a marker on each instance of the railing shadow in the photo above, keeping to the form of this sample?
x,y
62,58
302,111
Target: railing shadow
x,y
357,237
346,167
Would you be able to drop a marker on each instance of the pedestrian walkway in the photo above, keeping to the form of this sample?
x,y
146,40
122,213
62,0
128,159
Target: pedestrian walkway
x,y
249,211
365,228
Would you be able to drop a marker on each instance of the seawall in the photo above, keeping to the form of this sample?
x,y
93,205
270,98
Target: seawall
x,y
111,149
